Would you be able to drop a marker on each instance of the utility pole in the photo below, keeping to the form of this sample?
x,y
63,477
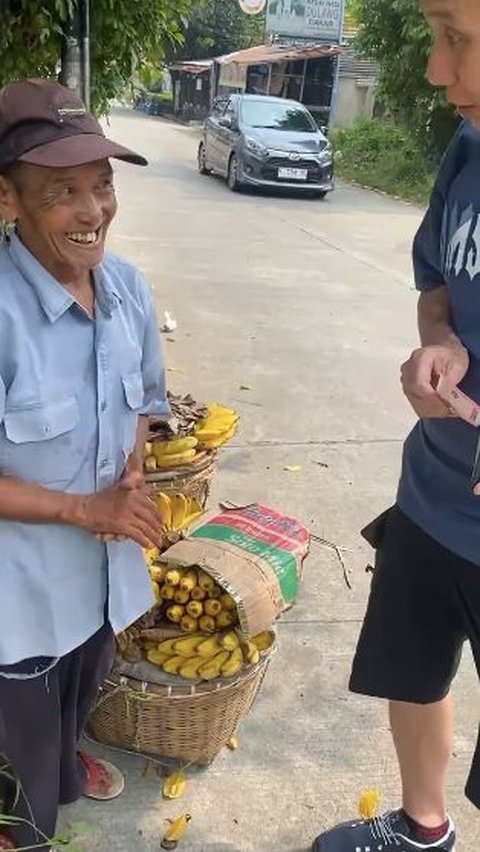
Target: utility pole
x,y
75,52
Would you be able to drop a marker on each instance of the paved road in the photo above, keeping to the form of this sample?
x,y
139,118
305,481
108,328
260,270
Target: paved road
x,y
310,305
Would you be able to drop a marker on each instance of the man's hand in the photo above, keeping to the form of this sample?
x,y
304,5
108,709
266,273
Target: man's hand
x,y
124,511
420,375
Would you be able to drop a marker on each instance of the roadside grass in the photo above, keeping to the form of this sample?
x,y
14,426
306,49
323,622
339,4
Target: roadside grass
x,y
382,156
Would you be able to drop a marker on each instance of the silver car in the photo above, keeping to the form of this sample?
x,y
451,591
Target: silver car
x,y
266,142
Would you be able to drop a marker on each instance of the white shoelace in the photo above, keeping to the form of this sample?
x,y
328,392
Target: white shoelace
x,y
381,828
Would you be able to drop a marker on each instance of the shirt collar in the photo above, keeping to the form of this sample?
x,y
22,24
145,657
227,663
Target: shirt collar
x,y
55,299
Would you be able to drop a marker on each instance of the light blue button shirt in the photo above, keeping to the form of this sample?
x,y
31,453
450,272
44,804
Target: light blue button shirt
x,y
71,390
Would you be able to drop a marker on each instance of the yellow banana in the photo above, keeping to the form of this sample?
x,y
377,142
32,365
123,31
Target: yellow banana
x,y
174,785
368,804
195,609
224,619
157,573
213,607
233,664
209,647
264,641
189,624
172,665
228,602
156,591
151,555
175,831
189,581
212,443
212,668
174,447
176,460
181,596
148,449
179,511
230,640
207,623
164,507
175,613
205,581
215,591
232,744
190,667
167,647
167,592
188,645
150,464
158,658
251,653
198,594
173,577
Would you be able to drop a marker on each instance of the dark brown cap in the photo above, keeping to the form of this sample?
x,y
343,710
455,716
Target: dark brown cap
x,y
44,123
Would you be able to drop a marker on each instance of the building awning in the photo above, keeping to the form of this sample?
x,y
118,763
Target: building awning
x,y
269,54
202,66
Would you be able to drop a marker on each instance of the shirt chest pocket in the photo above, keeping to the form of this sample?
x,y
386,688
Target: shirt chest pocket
x,y
133,394
38,443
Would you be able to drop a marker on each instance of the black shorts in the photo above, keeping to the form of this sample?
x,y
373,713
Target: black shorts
x,y
424,603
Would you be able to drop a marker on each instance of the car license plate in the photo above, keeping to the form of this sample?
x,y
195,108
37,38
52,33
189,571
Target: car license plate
x,y
293,174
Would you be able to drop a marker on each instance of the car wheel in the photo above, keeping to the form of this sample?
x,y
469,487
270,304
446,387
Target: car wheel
x,y
232,176
202,160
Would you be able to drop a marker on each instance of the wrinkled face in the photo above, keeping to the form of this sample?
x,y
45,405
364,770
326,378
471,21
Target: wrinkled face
x,y
62,215
454,63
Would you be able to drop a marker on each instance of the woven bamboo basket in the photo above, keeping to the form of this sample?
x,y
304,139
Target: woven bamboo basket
x,y
191,724
192,480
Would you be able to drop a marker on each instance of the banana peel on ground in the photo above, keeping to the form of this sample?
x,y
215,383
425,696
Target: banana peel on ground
x,y
175,831
174,785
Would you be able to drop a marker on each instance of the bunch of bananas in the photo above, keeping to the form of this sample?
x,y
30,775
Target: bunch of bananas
x,y
205,657
217,428
178,511
165,455
193,600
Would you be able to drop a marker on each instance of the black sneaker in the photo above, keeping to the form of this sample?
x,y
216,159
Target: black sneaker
x,y
390,831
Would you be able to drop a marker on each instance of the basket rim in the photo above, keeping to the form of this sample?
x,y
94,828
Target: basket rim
x,y
179,693
185,472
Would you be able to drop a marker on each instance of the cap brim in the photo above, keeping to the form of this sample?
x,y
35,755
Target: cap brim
x,y
78,150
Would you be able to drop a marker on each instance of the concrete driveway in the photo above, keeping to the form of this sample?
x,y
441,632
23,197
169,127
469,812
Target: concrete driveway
x,y
299,313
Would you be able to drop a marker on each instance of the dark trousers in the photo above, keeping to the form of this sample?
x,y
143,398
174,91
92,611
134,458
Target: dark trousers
x,y
41,722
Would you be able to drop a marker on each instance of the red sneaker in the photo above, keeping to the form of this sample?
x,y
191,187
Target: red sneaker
x,y
103,780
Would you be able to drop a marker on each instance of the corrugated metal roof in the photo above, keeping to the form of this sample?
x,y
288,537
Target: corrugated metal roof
x,y
353,65
266,54
195,66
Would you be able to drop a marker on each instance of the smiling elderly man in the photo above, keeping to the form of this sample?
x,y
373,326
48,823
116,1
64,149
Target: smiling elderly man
x,y
80,367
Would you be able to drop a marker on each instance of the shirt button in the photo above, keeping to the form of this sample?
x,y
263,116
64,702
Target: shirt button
x,y
104,462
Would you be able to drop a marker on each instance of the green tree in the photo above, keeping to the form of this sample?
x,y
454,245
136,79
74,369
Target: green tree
x,y
395,33
125,36
217,27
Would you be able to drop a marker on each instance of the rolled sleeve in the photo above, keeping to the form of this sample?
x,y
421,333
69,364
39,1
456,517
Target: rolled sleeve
x,y
155,400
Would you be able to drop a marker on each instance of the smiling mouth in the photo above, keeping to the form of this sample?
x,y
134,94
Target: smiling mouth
x,y
87,238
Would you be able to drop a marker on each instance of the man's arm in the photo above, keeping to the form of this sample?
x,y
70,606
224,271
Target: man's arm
x,y
442,354
118,511
135,461
435,320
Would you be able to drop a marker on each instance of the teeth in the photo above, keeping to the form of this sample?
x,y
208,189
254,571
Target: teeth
x,y
83,238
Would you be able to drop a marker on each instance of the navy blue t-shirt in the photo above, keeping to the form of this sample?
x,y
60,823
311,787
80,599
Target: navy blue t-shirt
x,y
435,488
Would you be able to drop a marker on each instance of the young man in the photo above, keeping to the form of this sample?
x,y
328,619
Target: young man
x,y
425,597
80,368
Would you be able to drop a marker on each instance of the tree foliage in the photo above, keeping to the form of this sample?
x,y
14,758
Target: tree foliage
x,y
395,33
124,37
217,27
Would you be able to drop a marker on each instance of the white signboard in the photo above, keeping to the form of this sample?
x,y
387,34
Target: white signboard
x,y
310,19
233,76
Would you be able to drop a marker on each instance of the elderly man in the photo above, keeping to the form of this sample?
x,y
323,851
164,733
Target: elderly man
x,y
80,370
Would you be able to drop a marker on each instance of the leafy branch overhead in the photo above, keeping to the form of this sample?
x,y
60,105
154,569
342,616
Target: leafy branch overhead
x,y
395,34
124,38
